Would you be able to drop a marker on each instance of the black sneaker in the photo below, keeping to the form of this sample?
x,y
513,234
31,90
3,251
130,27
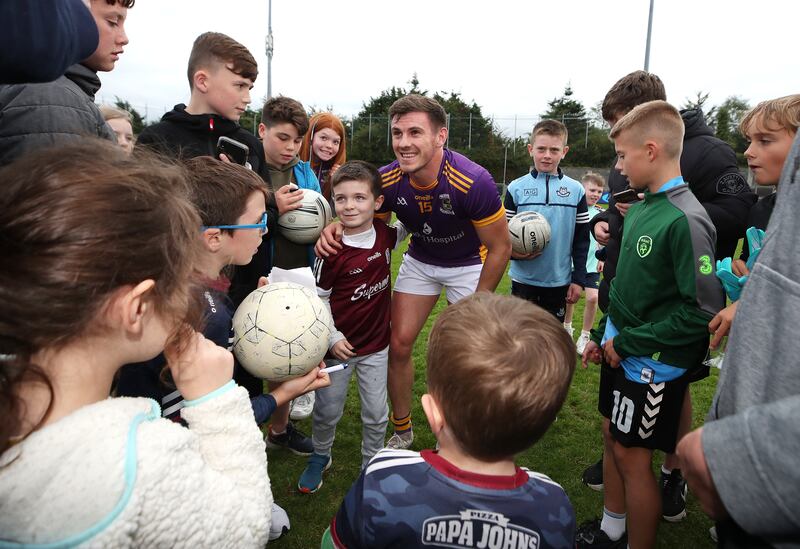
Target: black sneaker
x,y
294,440
673,496
593,476
589,534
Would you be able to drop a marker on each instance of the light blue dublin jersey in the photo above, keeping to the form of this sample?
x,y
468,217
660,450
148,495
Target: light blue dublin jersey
x,y
562,201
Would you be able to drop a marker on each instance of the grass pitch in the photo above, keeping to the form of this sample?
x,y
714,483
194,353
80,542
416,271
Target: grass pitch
x,y
572,443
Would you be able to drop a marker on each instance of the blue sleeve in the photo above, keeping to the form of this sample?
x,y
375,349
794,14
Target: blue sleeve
x,y
306,179
41,38
218,318
263,407
580,243
509,204
313,181
218,332
142,379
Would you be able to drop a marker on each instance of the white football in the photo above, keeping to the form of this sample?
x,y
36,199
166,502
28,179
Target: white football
x,y
281,331
304,225
530,232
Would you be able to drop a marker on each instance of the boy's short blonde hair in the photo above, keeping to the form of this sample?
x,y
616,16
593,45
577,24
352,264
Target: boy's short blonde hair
x,y
596,178
500,368
783,111
550,127
654,120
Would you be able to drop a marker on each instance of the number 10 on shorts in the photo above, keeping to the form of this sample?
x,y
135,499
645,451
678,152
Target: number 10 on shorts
x,y
622,413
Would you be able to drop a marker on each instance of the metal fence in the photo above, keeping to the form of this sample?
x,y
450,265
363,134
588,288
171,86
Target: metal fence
x,y
466,130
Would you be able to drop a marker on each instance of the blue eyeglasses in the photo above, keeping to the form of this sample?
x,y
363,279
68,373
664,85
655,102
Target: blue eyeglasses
x,y
262,225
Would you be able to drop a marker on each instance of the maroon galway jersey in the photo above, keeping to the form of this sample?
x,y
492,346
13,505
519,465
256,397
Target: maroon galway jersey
x,y
360,283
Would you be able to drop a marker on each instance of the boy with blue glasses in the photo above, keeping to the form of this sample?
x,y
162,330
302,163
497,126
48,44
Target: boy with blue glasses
x,y
223,193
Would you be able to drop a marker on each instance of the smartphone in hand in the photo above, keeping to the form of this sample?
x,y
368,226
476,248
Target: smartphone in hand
x,y
626,196
235,151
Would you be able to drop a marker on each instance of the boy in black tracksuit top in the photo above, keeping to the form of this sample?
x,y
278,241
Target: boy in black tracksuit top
x,y
222,72
656,328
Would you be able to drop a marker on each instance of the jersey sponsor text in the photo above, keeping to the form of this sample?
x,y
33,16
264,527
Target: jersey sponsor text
x,y
479,529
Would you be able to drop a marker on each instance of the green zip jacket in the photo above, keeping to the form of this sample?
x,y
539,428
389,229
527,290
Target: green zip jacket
x,y
665,291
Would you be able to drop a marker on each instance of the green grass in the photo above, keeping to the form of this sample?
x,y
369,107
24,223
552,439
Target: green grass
x,y
571,444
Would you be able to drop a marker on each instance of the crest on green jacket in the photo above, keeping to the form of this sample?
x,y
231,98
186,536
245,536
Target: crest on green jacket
x,y
644,246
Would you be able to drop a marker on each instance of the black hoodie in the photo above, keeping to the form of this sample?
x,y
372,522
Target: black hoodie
x,y
708,165
184,135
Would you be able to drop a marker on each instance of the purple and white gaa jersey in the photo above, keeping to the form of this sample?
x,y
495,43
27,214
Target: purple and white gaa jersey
x,y
442,215
409,499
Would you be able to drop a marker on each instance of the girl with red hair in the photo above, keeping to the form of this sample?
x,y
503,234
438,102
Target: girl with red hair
x,y
324,146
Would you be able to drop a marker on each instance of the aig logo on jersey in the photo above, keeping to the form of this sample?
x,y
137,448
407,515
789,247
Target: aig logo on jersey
x,y
446,206
481,529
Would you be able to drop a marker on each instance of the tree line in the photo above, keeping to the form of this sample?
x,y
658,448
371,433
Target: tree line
x,y
476,135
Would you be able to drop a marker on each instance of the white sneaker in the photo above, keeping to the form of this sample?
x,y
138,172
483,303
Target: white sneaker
x,y
570,330
401,441
580,345
280,522
302,406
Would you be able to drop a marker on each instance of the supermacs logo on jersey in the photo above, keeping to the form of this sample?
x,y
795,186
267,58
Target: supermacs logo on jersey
x,y
480,529
366,292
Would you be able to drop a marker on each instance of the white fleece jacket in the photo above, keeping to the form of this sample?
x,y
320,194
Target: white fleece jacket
x,y
114,474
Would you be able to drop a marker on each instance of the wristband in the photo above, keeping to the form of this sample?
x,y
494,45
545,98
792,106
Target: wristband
x,y
213,394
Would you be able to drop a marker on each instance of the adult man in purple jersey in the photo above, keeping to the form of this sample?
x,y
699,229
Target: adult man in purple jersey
x,y
459,241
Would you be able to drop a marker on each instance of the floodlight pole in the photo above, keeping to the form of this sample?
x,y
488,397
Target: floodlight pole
x,y
270,46
649,33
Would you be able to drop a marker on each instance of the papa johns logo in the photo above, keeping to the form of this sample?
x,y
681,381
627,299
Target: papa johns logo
x,y
644,246
474,528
